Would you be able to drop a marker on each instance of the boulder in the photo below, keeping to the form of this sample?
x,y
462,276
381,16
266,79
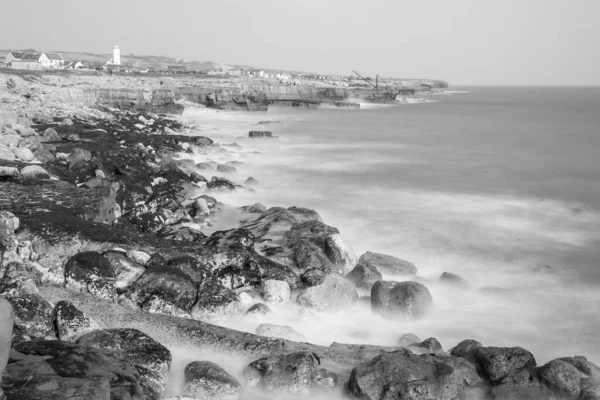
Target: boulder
x,y
279,331
6,154
50,135
451,279
8,172
78,157
505,364
139,257
133,345
251,181
364,276
34,172
295,373
205,166
408,339
91,271
72,323
127,271
256,208
313,277
226,168
258,309
34,316
6,329
388,265
590,389
404,375
216,302
408,299
157,305
24,154
200,208
584,366
217,184
275,292
562,378
334,293
431,345
207,380
67,122
466,349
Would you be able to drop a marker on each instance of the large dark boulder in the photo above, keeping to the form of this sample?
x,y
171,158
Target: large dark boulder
x,y
334,293
407,299
234,237
403,375
364,276
466,349
61,370
312,277
207,380
295,373
216,302
71,323
34,316
91,271
388,265
218,184
506,364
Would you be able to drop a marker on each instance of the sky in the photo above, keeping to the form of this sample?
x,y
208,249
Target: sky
x,y
466,42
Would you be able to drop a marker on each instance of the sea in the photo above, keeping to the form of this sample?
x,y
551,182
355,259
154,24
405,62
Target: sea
x,y
500,185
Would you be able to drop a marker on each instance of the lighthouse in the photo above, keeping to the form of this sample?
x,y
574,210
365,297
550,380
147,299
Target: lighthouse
x,y
116,56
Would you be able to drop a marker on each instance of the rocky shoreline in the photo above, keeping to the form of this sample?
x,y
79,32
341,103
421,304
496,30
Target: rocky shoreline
x,y
114,249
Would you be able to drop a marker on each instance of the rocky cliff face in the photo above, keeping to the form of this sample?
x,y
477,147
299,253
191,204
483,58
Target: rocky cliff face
x,y
147,100
225,98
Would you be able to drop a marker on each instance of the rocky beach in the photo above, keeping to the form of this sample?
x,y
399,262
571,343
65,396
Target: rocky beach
x,y
121,256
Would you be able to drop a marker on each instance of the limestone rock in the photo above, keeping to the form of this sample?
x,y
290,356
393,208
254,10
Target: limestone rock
x,y
251,181
408,299
156,305
6,154
127,271
71,323
334,293
388,265
50,135
207,380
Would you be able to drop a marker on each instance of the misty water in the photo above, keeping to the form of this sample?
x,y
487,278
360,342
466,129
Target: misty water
x,y
498,185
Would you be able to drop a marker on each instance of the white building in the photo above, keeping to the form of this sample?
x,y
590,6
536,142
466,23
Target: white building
x,y
219,69
116,60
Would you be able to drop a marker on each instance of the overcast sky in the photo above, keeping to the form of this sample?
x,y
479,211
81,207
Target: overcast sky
x,y
499,42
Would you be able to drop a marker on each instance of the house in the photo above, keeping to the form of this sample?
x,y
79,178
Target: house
x,y
13,55
55,60
257,73
74,65
283,77
219,69
26,64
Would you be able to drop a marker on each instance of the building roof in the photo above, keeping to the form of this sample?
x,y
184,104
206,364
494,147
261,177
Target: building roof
x,y
54,56
31,56
17,54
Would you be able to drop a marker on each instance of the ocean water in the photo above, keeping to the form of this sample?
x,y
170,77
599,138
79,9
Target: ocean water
x,y
498,185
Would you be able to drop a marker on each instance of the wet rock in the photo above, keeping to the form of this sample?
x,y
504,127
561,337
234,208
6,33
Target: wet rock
x,y
226,168
78,157
313,277
217,184
34,172
207,380
200,208
408,339
340,254
50,135
139,257
6,329
55,369
364,276
156,305
234,237
23,154
91,271
334,293
275,292
34,316
72,323
505,364
128,271
279,331
251,181
466,349
136,347
295,373
216,302
431,346
561,377
258,309
404,375
211,201
8,172
407,299
309,256
454,280
388,265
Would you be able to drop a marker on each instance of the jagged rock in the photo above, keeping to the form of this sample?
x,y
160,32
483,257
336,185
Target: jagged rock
x,y
279,331
404,375
561,377
309,256
275,292
408,339
34,172
226,168
234,237
216,302
91,271
24,154
34,316
295,373
135,346
7,319
334,293
430,345
207,380
388,265
364,276
505,364
25,251
128,271
454,280
55,369
217,184
258,309
313,277
408,299
72,323
466,349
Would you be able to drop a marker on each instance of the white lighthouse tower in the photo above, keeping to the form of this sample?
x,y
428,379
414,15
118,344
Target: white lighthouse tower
x,y
116,56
